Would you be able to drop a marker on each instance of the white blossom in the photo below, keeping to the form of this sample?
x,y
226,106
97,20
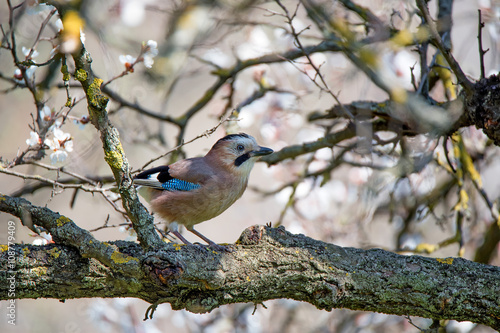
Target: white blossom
x,y
52,144
69,146
36,8
151,51
54,51
33,140
82,36
40,241
45,113
60,145
58,156
43,239
59,24
30,72
27,51
127,60
18,75
60,135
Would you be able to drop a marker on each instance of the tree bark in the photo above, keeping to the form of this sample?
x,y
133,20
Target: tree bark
x,y
265,263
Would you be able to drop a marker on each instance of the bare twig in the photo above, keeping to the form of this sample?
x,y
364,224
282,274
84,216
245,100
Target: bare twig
x,y
65,184
204,134
462,78
482,52
42,27
324,85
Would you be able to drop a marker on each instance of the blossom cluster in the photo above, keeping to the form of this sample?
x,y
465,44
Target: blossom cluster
x,y
148,52
60,144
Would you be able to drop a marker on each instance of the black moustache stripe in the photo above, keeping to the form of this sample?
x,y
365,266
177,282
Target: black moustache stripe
x,y
241,159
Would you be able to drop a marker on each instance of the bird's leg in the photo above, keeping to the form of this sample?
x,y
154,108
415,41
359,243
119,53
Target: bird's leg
x,y
201,236
174,228
211,244
178,235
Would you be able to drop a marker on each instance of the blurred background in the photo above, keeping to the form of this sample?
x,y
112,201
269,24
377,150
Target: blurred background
x,y
360,203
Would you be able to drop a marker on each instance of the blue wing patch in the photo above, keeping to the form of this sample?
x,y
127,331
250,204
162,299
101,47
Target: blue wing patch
x,y
160,178
179,185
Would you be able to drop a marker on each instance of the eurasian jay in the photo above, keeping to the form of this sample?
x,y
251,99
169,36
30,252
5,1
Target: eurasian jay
x,y
198,189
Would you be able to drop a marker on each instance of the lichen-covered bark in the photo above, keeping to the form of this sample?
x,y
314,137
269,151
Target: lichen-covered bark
x,y
65,231
268,263
113,151
483,107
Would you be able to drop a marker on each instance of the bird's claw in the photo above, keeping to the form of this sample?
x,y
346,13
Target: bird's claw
x,y
215,247
220,247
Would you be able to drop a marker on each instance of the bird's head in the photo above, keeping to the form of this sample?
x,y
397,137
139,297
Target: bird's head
x,y
238,152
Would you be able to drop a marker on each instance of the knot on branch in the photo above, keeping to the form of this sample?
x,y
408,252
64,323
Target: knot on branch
x,y
484,107
167,274
163,270
326,293
258,234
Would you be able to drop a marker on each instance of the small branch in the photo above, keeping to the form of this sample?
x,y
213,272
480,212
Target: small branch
x,y
204,134
76,183
53,183
114,154
293,151
480,26
135,106
230,73
31,188
42,27
324,85
462,78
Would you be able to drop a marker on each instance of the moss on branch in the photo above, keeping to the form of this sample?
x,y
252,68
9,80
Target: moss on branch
x,y
114,155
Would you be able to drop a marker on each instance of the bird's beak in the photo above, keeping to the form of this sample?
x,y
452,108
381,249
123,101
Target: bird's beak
x,y
262,151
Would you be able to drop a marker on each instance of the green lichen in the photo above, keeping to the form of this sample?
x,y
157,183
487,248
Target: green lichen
x,y
94,283
130,286
65,73
177,246
81,75
54,252
121,258
114,159
26,251
448,261
62,221
95,97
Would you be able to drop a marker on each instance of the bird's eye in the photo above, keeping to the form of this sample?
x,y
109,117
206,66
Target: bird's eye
x,y
240,147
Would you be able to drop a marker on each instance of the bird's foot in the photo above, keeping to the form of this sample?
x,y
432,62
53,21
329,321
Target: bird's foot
x,y
220,247
215,247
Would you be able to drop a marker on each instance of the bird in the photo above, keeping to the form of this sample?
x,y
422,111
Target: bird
x,y
195,190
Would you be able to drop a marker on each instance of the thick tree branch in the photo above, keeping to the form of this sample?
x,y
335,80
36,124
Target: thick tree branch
x,y
268,263
404,122
65,231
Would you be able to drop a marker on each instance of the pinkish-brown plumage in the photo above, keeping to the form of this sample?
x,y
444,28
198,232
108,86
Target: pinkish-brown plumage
x,y
198,189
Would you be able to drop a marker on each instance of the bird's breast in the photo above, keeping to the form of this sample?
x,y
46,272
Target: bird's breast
x,y
195,206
